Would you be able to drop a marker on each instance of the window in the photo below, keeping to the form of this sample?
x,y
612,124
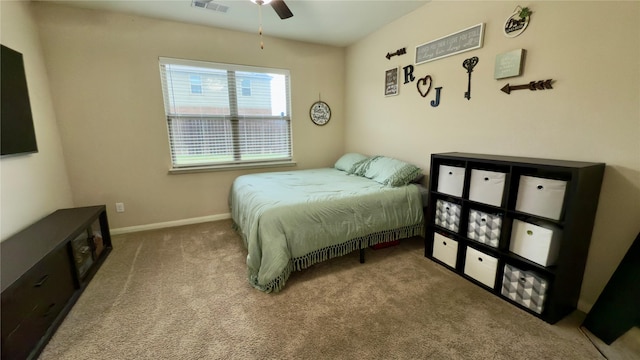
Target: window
x,y
196,84
220,126
246,87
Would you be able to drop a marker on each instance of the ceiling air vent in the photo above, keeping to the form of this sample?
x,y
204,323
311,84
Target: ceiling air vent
x,y
208,4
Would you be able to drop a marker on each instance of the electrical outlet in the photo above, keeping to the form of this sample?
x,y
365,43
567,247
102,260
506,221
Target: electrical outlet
x,y
119,207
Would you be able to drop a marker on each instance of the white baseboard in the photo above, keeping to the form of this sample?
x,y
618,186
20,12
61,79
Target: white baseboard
x,y
166,224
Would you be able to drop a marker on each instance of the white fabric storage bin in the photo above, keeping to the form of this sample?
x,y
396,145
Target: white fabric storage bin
x,y
524,287
451,180
448,215
481,266
535,243
487,186
542,197
445,249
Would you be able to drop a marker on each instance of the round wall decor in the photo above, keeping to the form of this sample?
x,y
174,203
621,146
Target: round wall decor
x,y
320,113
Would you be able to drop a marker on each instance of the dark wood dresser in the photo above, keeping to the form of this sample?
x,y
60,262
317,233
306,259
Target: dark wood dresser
x,y
45,268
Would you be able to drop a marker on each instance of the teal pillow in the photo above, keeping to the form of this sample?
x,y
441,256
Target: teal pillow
x,y
348,161
391,172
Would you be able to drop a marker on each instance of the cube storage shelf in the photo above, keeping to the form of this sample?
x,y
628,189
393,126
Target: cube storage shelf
x,y
518,227
45,269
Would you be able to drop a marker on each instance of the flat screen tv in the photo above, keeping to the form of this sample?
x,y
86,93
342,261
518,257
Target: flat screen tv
x,y
17,135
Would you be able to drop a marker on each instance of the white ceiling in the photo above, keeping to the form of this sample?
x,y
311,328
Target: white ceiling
x,y
329,22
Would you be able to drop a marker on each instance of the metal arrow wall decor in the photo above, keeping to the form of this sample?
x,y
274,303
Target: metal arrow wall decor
x,y
533,86
398,53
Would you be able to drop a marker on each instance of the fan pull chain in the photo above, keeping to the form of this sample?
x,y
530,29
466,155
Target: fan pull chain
x,y
260,29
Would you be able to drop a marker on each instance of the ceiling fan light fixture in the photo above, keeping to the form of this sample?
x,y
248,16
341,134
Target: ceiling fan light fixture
x,y
261,2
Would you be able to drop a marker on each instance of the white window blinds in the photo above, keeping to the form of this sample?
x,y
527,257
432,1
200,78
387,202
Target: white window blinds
x,y
238,115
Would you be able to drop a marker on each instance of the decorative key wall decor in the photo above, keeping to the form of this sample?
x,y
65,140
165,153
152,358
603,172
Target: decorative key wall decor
x,y
469,64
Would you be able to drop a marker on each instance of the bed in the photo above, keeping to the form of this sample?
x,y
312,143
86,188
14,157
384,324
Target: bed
x,y
293,219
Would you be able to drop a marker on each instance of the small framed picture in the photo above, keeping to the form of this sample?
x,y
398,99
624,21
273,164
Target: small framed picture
x,y
391,82
509,64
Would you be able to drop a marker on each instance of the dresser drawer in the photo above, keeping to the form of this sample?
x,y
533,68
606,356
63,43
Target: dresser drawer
x,y
31,304
22,340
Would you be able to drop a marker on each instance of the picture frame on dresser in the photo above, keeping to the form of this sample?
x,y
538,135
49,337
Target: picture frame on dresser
x,y
518,227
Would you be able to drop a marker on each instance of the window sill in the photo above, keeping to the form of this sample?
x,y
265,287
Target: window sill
x,y
188,170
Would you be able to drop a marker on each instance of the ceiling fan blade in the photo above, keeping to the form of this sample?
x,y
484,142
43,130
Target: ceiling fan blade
x,y
281,9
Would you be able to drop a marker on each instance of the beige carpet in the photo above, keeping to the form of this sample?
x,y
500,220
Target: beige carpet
x,y
182,293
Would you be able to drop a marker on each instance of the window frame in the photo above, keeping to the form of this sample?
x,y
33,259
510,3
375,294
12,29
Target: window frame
x,y
233,117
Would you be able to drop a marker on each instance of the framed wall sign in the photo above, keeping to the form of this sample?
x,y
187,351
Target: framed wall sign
x,y
456,43
509,64
391,82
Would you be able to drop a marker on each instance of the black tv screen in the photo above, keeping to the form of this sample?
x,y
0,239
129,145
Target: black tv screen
x,y
17,135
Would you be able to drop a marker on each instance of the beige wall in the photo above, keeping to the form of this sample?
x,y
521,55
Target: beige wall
x,y
31,186
106,87
590,49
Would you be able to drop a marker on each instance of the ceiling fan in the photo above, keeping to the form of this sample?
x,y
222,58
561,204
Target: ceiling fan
x,y
280,8
278,5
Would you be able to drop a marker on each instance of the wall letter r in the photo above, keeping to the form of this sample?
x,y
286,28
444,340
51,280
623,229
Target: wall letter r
x,y
408,74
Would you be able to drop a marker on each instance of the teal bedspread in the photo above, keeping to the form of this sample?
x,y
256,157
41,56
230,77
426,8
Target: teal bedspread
x,y
294,219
